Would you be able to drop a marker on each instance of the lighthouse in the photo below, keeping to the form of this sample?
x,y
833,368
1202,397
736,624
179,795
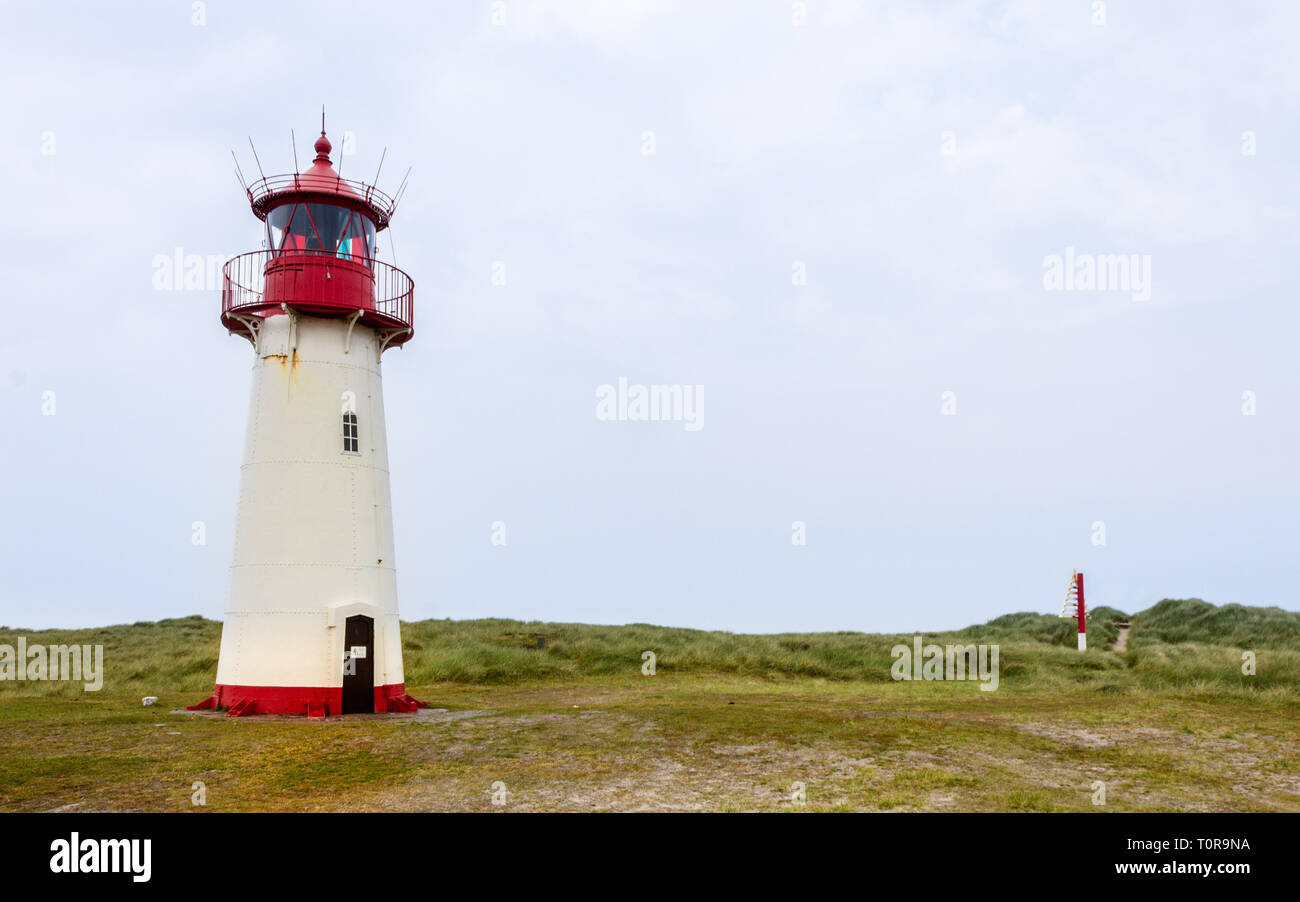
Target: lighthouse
x,y
311,624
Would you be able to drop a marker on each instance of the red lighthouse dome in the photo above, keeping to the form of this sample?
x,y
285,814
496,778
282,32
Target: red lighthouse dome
x,y
321,232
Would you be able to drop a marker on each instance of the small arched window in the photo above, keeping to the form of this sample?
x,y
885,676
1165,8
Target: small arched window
x,y
351,443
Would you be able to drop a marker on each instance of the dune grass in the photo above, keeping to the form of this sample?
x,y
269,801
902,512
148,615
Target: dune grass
x,y
728,722
1234,625
1037,651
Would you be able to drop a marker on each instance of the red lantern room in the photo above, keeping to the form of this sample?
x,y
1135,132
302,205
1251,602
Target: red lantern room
x,y
320,254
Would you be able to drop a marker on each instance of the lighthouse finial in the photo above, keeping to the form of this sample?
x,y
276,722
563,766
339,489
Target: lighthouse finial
x,y
322,144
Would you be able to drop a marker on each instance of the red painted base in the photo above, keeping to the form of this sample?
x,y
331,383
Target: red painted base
x,y
314,701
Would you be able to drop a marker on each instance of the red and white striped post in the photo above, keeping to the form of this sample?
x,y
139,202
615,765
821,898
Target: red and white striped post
x,y
1073,607
1082,614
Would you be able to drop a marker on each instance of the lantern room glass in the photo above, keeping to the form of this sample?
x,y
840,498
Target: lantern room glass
x,y
317,228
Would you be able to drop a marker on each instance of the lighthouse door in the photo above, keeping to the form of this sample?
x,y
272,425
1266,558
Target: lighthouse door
x,y
359,666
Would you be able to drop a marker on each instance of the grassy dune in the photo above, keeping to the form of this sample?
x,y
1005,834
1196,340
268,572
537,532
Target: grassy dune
x,y
728,722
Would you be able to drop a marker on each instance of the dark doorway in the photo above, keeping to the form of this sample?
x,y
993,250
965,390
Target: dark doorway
x,y
359,666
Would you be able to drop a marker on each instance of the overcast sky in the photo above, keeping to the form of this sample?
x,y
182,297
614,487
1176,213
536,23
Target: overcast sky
x,y
828,216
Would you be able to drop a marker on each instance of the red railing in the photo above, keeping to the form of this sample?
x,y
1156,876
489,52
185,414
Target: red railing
x,y
320,283
262,190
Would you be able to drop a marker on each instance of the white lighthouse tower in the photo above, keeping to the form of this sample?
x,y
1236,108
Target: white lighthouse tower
x,y
311,622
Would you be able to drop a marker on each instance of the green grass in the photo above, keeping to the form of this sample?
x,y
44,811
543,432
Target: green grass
x,y
1233,625
729,722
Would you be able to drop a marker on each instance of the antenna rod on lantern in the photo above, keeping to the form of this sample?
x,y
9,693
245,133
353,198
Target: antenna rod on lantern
x,y
243,183
294,141
401,189
380,166
259,162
